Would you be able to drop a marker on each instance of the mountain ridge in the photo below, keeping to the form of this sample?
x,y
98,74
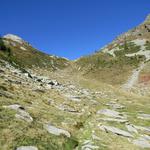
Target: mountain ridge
x,y
23,54
145,22
127,51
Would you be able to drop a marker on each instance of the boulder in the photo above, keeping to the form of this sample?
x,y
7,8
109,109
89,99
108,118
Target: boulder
x,y
116,131
144,116
56,131
131,128
21,113
53,82
24,116
142,142
111,113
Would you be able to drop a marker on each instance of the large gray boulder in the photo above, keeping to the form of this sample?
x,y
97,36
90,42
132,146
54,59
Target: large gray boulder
x,y
56,131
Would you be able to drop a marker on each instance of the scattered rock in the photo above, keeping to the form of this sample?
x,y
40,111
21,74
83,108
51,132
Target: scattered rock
x,y
73,98
23,48
21,113
94,137
67,108
28,75
94,102
144,116
53,82
14,81
24,115
51,102
142,142
115,105
114,120
115,131
145,129
15,107
56,131
147,137
89,145
6,94
131,128
48,86
111,113
27,148
39,90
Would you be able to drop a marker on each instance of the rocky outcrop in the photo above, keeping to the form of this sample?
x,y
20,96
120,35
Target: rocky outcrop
x,y
116,131
56,131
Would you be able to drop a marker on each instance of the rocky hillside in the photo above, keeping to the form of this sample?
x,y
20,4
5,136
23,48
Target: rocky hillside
x,y
16,50
50,103
39,113
122,62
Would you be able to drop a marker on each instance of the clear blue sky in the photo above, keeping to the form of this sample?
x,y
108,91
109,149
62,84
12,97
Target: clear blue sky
x,y
70,28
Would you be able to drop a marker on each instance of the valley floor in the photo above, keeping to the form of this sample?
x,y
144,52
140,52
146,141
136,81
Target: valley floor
x,y
68,112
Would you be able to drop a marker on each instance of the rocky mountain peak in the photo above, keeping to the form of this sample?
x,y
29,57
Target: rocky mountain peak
x,y
14,38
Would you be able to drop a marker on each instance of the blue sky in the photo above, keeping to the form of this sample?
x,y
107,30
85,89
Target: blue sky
x,y
70,28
